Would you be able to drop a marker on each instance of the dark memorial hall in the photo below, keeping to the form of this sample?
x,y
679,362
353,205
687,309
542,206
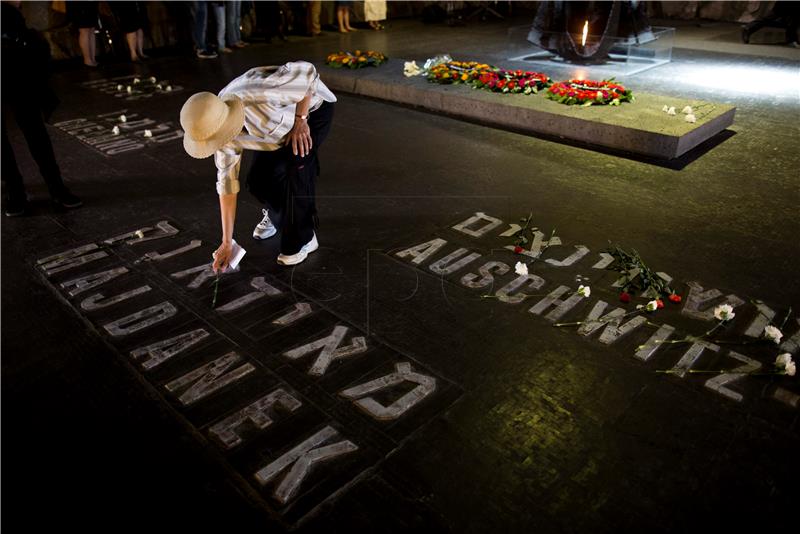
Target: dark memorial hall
x,y
400,266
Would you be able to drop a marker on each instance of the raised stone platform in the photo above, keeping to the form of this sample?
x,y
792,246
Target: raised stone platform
x,y
640,127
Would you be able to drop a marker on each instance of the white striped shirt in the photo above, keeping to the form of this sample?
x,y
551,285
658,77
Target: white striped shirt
x,y
269,95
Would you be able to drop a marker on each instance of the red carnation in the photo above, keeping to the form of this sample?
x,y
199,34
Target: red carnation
x,y
518,249
659,303
624,297
675,298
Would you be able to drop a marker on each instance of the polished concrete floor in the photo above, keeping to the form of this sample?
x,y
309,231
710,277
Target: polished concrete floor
x,y
531,427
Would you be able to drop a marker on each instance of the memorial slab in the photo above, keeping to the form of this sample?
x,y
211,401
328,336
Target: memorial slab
x,y
640,127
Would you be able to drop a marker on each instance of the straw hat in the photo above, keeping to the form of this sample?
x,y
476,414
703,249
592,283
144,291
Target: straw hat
x,y
209,122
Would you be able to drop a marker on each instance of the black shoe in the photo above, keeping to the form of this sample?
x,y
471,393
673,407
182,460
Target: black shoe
x,y
16,207
67,200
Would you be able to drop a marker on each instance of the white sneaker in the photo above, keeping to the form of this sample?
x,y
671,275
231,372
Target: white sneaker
x,y
265,229
312,245
301,255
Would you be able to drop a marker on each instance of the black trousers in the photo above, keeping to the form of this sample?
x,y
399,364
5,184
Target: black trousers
x,y
286,184
31,122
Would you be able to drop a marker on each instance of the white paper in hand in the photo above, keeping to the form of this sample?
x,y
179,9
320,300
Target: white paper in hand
x,y
237,253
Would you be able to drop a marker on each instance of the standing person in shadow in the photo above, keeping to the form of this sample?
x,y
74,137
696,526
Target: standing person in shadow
x,y
343,16
269,20
84,16
29,100
132,17
784,15
374,13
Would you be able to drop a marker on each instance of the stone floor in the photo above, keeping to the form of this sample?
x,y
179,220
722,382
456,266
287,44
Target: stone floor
x,y
529,427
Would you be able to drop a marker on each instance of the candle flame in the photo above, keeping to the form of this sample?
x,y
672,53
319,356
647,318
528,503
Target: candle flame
x,y
585,32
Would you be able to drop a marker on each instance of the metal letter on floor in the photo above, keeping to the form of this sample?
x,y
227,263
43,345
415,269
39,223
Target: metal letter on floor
x,y
302,458
403,373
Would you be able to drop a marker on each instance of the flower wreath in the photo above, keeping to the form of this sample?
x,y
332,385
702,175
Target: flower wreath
x,y
356,60
458,71
483,76
589,92
512,81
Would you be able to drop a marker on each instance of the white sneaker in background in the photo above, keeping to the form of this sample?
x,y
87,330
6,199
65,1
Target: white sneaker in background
x,y
265,229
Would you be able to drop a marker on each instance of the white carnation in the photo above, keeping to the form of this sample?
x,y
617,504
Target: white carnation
x,y
773,334
724,312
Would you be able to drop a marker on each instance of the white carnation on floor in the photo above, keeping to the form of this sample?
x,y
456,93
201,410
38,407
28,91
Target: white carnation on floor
x,y
773,334
584,291
724,312
652,305
521,269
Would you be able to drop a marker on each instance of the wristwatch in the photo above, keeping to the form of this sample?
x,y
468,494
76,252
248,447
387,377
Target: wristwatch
x,y
304,117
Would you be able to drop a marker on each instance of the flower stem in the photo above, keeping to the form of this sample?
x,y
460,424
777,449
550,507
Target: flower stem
x,y
216,288
602,322
788,313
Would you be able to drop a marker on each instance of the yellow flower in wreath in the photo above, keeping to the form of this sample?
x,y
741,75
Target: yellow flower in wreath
x,y
362,59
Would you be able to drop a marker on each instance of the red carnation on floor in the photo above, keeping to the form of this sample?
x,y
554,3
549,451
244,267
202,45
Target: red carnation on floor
x,y
675,298
518,249
660,303
624,297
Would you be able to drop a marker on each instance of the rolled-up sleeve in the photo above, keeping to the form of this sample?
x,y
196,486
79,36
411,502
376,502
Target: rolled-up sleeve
x,y
228,159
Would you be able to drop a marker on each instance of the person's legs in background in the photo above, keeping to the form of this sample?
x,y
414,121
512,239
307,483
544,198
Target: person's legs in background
x,y
16,200
88,44
233,21
140,16
340,12
31,123
84,16
200,18
140,44
314,10
130,37
219,20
